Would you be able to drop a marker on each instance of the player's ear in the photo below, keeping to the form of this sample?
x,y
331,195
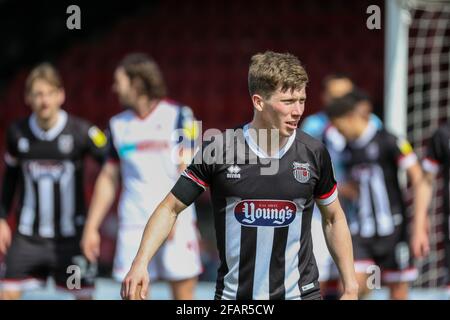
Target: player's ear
x,y
258,102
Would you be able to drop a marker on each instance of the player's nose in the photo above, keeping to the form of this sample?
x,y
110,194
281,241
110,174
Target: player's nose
x,y
298,109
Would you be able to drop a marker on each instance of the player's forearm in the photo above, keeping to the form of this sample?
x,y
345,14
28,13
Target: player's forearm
x,y
422,190
422,199
102,200
156,232
339,243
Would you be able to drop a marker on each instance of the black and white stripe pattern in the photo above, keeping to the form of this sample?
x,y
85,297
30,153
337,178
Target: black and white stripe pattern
x,y
257,276
49,205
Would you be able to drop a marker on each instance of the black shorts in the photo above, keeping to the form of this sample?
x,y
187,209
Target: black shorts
x,y
30,261
391,254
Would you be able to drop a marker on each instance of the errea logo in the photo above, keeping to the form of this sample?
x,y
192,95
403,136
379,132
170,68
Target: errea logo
x,y
233,172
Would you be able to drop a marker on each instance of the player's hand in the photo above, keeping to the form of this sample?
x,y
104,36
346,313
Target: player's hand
x,y
420,244
349,296
350,291
136,283
90,244
5,236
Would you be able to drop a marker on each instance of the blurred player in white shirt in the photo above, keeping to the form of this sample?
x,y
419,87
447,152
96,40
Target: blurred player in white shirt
x,y
146,156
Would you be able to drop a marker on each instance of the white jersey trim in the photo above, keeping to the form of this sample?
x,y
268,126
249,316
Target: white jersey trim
x,y
430,166
407,161
51,133
328,200
261,153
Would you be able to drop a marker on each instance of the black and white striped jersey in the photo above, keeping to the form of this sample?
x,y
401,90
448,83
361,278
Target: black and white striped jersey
x,y
47,167
262,212
373,162
438,157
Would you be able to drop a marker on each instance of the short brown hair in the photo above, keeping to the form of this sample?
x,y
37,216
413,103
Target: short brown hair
x,y
143,69
44,71
270,70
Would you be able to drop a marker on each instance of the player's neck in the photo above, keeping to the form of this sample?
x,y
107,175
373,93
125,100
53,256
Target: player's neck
x,y
144,107
47,124
273,143
361,128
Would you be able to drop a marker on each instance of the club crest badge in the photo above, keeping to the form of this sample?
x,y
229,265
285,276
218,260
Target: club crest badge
x,y
301,172
65,143
23,145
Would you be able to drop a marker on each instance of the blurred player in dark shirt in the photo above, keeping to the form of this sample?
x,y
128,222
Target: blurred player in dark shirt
x,y
44,162
373,159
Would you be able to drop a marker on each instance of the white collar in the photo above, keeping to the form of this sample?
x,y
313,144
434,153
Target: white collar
x,y
260,152
366,136
53,132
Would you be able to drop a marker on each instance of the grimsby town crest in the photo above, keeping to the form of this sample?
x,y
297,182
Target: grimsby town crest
x,y
65,143
301,172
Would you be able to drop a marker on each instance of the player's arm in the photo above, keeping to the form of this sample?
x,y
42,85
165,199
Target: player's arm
x,y
407,160
339,243
422,191
423,194
101,148
103,197
188,134
334,224
96,143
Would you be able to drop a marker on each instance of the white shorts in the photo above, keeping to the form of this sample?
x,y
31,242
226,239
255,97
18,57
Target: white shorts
x,y
327,268
177,259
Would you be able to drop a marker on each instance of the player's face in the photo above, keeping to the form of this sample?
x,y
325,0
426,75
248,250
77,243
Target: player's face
x,y
336,88
45,99
284,109
364,108
122,87
346,125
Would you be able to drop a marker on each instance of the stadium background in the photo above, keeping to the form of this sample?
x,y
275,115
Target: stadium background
x,y
203,48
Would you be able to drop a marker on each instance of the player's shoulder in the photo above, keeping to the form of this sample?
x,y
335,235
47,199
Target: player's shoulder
x,y
81,127
384,136
443,132
19,125
124,116
76,122
175,107
393,142
19,128
228,139
310,142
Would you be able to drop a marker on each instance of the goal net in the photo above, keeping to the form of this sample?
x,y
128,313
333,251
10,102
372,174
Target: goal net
x,y
427,104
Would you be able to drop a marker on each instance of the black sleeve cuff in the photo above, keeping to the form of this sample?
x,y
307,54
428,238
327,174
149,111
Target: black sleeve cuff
x,y
186,190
